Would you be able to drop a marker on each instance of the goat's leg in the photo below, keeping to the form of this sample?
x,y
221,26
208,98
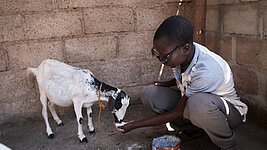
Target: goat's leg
x,y
78,111
90,121
51,106
43,100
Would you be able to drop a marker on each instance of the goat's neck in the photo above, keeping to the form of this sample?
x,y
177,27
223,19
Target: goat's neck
x,y
106,90
109,91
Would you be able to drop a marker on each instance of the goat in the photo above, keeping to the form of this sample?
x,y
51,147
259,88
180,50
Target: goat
x,y
65,85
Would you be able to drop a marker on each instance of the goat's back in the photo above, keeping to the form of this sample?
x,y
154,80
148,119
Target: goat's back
x,y
61,82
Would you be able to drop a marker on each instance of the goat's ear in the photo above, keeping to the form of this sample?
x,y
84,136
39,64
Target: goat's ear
x,y
111,103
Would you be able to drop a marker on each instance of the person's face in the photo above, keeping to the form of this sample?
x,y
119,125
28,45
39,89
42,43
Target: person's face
x,y
170,53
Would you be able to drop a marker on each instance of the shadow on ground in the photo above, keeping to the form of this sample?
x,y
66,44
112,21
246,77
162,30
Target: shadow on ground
x,y
31,135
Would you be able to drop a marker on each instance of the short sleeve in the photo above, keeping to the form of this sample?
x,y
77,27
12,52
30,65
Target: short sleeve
x,y
204,80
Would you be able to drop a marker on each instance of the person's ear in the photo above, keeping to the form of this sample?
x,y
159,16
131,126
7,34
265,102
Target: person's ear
x,y
186,49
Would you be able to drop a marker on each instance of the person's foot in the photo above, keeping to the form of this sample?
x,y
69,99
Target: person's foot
x,y
190,134
169,127
182,124
186,131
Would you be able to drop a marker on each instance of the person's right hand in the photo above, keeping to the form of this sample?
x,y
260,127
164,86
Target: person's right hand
x,y
126,127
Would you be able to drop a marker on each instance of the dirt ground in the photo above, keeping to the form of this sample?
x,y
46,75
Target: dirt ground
x,y
31,135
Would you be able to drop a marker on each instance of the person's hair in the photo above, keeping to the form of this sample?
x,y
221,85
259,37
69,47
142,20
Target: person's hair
x,y
177,29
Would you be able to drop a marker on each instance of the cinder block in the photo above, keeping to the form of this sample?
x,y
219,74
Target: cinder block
x,y
220,44
15,88
150,71
265,21
93,66
118,72
217,2
246,81
91,48
86,3
108,20
132,72
135,45
151,18
141,2
213,18
12,7
122,73
247,53
262,3
97,3
134,92
11,28
3,59
149,2
187,10
31,54
241,19
251,51
53,25
248,0
263,56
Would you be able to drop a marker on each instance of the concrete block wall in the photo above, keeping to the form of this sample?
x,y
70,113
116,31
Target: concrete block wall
x,y
236,29
111,38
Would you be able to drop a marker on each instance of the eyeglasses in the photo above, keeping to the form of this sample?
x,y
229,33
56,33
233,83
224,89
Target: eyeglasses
x,y
166,57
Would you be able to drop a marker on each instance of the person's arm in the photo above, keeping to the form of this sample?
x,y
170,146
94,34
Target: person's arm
x,y
158,119
169,83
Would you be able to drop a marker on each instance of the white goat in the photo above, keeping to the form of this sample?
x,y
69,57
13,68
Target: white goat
x,y
65,85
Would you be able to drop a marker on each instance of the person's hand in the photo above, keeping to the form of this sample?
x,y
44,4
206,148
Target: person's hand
x,y
126,127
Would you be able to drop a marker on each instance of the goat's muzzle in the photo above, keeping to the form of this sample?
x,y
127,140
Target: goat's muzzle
x,y
117,120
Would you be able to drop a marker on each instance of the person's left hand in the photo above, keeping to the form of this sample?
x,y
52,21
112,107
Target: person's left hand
x,y
124,128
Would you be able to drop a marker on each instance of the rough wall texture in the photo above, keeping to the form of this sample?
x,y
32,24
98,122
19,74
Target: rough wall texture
x,y
111,38
237,31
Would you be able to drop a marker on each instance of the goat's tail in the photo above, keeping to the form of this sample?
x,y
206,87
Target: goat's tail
x,y
32,70
31,73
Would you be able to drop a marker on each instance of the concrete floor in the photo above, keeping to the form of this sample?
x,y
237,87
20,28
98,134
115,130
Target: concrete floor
x,y
31,135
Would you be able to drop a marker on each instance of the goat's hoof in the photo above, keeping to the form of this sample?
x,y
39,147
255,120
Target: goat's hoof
x,y
51,136
61,124
92,132
84,140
